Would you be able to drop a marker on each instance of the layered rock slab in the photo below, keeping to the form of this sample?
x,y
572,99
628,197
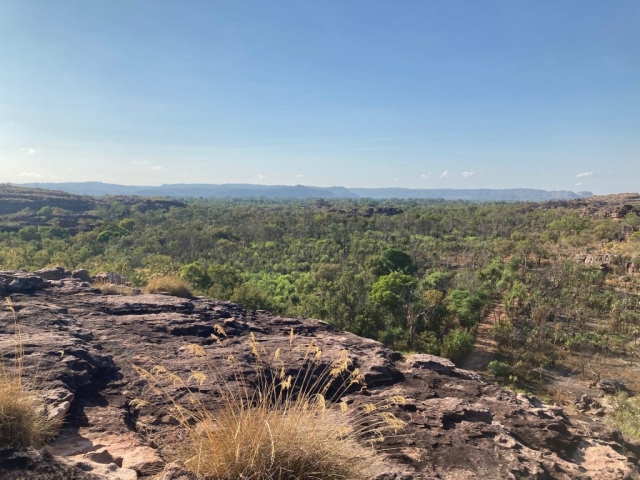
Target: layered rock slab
x,y
81,348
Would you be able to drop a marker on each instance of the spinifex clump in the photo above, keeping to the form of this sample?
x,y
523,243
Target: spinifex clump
x,y
284,426
23,421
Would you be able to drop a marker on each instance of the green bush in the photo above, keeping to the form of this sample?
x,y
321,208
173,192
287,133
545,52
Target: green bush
x,y
457,344
46,211
106,235
394,260
250,297
503,331
466,305
428,342
224,280
196,275
499,369
626,414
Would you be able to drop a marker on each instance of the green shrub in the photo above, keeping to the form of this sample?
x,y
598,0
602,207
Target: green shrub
x,y
466,305
250,297
224,280
457,344
127,224
428,342
393,337
196,275
503,331
106,235
394,260
499,369
626,414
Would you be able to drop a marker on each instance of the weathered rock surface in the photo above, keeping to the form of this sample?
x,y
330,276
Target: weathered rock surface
x,y
54,273
22,207
81,347
82,275
611,386
12,282
603,206
14,199
33,464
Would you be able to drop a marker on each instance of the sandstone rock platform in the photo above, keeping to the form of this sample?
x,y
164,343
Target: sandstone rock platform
x,y
81,348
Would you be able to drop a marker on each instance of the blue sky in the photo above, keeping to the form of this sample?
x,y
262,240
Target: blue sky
x,y
420,94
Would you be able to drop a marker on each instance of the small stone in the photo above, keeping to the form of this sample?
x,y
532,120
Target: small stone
x,y
58,412
177,471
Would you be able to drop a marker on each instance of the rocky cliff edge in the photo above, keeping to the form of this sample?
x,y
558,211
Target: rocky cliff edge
x,y
81,348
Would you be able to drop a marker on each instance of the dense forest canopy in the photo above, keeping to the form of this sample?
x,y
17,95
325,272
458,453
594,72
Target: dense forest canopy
x,y
417,275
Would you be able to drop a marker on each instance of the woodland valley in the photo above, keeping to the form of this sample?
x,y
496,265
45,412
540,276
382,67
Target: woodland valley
x,y
539,298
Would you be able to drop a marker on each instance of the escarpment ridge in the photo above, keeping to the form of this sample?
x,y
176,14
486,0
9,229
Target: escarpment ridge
x,y
82,349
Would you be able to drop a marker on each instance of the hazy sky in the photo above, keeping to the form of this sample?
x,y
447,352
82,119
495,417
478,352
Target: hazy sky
x,y
426,94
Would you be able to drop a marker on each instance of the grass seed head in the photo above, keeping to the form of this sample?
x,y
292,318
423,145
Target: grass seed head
x,y
23,416
282,426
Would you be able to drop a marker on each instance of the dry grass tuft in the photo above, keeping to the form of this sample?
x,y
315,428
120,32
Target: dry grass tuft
x,y
172,285
113,289
23,419
23,422
290,426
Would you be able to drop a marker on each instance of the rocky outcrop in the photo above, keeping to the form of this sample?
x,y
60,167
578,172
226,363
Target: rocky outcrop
x,y
12,282
14,199
82,275
54,273
81,348
602,206
22,207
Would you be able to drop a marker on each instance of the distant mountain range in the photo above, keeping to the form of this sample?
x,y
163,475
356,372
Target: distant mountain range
x,y
302,192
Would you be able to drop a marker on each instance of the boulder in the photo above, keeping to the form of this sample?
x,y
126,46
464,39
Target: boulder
x,y
55,273
177,471
16,282
611,386
587,404
82,275
431,362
